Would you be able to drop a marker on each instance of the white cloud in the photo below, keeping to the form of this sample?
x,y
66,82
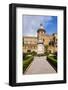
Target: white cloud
x,y
31,23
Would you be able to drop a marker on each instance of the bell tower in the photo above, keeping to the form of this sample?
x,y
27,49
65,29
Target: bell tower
x,y
40,40
41,33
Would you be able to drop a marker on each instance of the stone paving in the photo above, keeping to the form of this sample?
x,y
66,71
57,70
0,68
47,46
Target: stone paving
x,y
39,66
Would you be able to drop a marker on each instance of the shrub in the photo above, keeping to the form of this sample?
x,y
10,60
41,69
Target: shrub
x,y
55,53
41,55
26,63
55,57
25,56
52,61
33,53
46,53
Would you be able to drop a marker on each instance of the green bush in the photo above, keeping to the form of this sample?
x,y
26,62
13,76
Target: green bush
x,y
55,57
55,53
52,61
26,63
46,53
34,53
41,55
26,56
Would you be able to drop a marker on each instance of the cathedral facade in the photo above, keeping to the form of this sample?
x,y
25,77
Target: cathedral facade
x,y
39,43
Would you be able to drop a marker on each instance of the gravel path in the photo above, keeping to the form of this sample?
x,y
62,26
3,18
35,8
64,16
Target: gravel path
x,y
39,66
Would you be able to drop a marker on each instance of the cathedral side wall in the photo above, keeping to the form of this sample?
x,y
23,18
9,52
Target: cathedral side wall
x,y
30,43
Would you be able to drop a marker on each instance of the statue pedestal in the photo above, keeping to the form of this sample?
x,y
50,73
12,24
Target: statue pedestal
x,y
40,47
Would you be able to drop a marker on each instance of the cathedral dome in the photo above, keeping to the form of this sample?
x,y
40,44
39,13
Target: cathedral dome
x,y
41,28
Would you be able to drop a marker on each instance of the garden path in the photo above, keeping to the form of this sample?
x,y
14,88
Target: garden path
x,y
39,66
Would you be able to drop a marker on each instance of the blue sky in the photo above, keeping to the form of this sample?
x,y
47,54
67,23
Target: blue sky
x,y
32,23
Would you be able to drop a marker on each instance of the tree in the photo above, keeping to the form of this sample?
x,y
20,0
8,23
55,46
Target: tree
x,y
46,49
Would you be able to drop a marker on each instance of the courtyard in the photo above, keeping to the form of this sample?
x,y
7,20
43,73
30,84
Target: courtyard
x,y
39,64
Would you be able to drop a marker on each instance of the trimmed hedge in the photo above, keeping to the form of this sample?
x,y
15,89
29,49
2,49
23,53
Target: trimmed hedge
x,y
40,55
26,63
33,53
26,55
52,60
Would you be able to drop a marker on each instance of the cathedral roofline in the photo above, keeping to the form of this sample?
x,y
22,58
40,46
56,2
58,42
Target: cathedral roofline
x,y
29,37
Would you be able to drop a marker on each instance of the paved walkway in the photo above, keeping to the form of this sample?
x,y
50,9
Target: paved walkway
x,y
39,66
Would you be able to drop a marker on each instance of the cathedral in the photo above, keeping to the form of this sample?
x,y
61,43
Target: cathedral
x,y
40,42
